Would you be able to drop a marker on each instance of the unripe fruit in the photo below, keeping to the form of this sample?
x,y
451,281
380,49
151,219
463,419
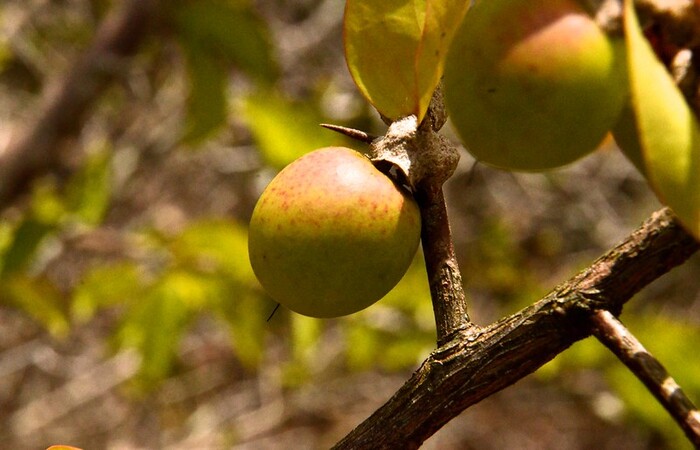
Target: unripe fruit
x,y
533,84
331,234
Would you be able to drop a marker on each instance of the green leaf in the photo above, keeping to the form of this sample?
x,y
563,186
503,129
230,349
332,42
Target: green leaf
x,y
395,50
284,129
217,35
46,204
155,325
442,19
89,190
668,131
228,31
39,298
305,335
118,284
215,246
206,104
245,313
25,241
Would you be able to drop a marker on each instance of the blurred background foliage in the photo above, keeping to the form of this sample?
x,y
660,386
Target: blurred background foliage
x,y
130,317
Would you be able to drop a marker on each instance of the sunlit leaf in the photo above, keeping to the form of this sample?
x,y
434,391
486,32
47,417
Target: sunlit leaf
x,y
104,286
215,246
442,19
306,332
669,135
363,346
39,298
245,313
395,50
24,243
155,325
284,129
47,205
381,43
206,104
89,190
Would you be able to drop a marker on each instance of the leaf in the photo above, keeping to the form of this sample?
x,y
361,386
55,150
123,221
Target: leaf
x,y
25,241
395,50
89,191
228,31
106,286
155,325
284,129
39,298
669,135
215,246
245,312
217,35
206,104
442,19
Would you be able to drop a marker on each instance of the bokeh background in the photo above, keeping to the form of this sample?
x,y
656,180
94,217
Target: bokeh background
x,y
129,315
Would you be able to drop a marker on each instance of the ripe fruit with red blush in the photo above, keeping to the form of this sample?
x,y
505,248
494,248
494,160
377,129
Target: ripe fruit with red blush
x,y
331,234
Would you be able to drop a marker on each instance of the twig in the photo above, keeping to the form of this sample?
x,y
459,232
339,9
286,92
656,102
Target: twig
x,y
473,366
35,148
614,335
446,289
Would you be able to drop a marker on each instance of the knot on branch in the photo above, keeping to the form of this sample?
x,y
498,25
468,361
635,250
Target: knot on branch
x,y
415,155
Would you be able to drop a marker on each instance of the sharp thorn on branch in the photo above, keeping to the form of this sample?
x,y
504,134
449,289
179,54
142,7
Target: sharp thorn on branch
x,y
358,135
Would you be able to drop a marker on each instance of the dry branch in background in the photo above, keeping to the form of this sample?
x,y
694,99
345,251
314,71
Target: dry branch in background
x,y
35,148
478,363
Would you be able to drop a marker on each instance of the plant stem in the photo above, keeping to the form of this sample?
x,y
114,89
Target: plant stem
x,y
468,369
446,290
614,335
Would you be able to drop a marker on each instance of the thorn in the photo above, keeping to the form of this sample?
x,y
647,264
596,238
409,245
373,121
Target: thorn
x,y
351,133
273,312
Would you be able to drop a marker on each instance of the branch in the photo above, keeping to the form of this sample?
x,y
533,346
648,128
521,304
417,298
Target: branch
x,y
35,148
478,363
614,335
446,288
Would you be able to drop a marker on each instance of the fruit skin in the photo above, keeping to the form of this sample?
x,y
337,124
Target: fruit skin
x,y
533,84
331,235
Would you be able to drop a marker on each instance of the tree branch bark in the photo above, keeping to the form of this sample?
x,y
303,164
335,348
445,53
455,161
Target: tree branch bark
x,y
446,289
614,335
35,148
475,364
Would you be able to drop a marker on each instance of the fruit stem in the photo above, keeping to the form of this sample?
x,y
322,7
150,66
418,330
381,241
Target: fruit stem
x,y
446,290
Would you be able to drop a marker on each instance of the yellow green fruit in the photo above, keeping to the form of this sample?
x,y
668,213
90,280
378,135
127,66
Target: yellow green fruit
x,y
533,84
331,235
